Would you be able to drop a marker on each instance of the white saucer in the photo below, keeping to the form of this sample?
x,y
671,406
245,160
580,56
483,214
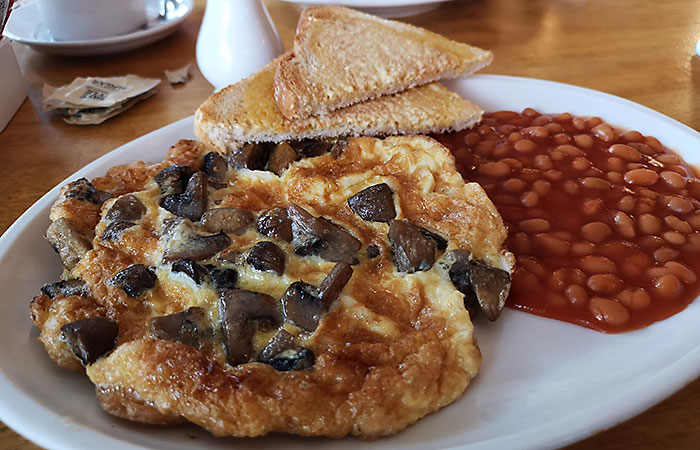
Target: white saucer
x,y
383,8
25,26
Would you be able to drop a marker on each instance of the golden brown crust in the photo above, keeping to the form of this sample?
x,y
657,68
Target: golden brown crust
x,y
82,216
125,404
370,389
123,179
50,315
39,310
341,57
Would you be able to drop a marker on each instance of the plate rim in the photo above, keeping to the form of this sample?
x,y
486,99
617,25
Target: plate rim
x,y
94,43
680,372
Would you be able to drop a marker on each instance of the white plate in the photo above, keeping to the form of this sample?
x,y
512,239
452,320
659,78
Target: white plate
x,y
382,8
25,26
543,383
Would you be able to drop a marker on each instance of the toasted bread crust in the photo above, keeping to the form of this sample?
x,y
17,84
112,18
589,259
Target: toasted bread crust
x,y
341,57
247,112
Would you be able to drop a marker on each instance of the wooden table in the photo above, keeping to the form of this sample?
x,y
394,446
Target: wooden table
x,y
636,49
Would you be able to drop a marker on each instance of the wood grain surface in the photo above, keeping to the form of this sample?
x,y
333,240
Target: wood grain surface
x,y
638,49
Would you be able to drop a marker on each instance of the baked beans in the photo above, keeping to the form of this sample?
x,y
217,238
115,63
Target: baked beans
x,y
534,225
631,136
625,152
641,177
673,179
609,311
665,254
683,272
604,132
577,295
678,224
530,198
595,183
635,298
605,224
541,187
597,264
494,169
524,146
604,283
596,231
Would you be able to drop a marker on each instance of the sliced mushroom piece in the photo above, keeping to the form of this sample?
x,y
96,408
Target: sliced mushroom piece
x,y
214,165
66,288
223,279
282,341
193,202
251,156
335,243
190,327
491,286
339,148
134,280
70,245
335,281
196,272
266,256
126,208
275,223
90,338
459,262
85,191
293,359
412,250
196,247
281,158
113,231
173,179
242,313
374,204
309,148
302,305
229,220
478,281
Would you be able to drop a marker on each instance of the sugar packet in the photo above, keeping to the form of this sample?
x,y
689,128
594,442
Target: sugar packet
x,y
92,100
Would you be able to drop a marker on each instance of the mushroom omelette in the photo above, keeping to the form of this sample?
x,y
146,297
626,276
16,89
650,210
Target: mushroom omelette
x,y
323,296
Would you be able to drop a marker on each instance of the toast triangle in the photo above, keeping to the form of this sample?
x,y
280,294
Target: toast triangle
x,y
341,56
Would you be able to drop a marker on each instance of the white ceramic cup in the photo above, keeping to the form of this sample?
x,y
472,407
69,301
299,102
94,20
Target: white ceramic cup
x,y
75,20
